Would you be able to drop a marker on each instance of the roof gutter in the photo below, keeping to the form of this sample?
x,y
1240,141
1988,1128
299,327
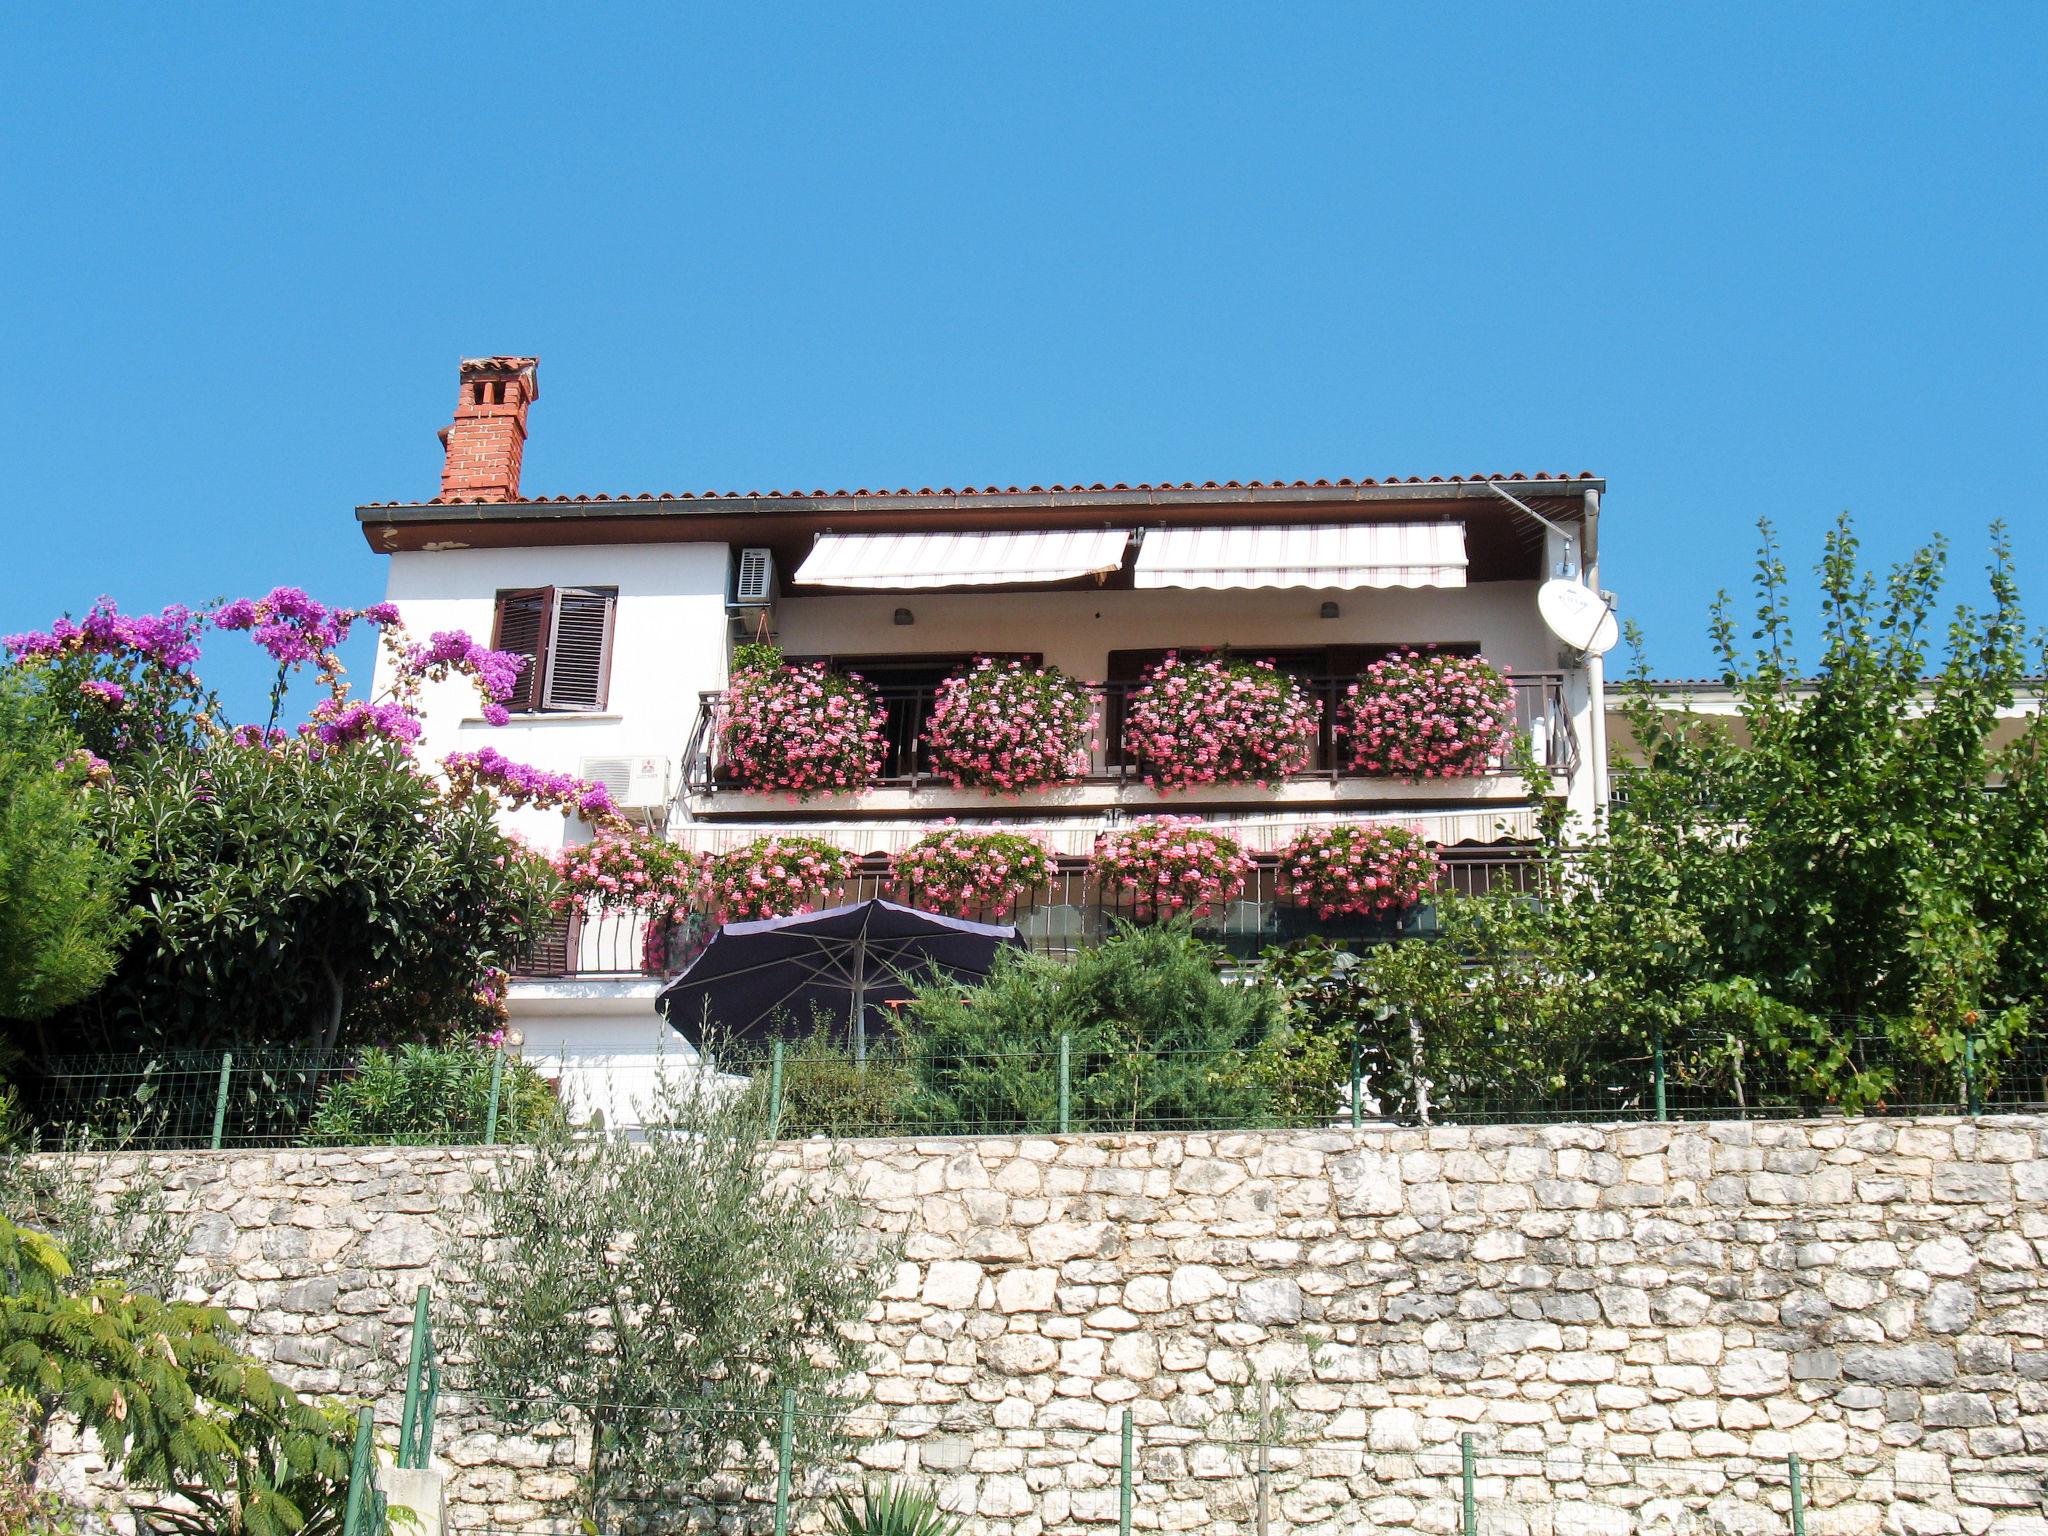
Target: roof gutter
x,y
1120,501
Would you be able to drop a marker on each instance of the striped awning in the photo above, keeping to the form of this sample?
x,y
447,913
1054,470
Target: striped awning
x,y
905,562
1331,557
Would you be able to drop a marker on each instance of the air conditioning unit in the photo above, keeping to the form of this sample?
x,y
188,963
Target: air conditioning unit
x,y
753,579
634,783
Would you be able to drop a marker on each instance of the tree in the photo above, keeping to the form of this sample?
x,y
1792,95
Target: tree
x,y
60,916
176,1408
669,1291
1156,1038
326,896
316,886
1838,867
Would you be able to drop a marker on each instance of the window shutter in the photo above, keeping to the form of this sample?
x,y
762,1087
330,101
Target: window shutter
x,y
579,649
521,624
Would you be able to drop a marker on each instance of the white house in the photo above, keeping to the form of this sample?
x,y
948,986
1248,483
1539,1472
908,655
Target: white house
x,y
630,606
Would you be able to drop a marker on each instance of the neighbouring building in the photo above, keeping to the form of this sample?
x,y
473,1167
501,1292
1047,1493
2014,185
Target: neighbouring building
x,y
630,606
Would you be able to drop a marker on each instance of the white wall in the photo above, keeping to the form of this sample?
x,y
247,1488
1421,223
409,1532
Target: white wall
x,y
1077,630
668,644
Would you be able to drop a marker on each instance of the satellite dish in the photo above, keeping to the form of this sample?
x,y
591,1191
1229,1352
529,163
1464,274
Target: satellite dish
x,y
1578,616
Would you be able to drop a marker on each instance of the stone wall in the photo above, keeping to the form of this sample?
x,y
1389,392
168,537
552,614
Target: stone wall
x,y
1695,1300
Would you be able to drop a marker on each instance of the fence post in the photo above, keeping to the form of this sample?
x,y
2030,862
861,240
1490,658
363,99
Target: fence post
x,y
1657,1067
1066,1085
416,1425
1471,1503
1798,1496
1123,1491
1265,1467
785,1453
1971,1104
1357,1084
220,1098
364,1515
775,1092
497,1085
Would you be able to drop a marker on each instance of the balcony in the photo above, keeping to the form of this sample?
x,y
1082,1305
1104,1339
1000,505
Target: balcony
x,y
1117,777
1063,918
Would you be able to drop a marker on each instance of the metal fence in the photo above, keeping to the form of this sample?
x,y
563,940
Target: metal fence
x,y
1068,915
191,1100
902,1084
1542,722
1260,1467
1074,1084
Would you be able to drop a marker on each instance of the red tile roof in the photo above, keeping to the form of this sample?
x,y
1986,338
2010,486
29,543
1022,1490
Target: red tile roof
x,y
1030,490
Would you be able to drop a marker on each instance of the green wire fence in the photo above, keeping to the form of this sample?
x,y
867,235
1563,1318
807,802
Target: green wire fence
x,y
1094,1082
190,1100
1261,1466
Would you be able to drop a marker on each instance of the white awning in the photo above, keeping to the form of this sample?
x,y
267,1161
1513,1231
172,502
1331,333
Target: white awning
x,y
1333,557
901,562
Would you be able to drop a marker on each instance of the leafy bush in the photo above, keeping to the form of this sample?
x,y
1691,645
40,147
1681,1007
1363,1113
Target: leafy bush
x,y
826,1092
1003,725
133,1240
1156,1039
890,1509
60,919
421,1095
176,1408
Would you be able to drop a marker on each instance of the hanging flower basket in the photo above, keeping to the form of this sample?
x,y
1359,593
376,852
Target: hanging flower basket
x,y
1170,866
1421,716
1220,720
630,871
962,873
799,730
1003,725
773,877
1360,869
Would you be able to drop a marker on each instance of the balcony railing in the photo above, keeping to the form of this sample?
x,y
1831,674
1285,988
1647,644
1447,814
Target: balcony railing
x,y
1541,719
1063,918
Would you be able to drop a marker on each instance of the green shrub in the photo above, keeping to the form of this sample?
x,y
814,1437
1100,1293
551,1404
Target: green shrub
x,y
890,1509
1157,1039
422,1095
825,1092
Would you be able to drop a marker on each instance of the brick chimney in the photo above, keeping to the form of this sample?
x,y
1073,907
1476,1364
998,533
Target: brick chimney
x,y
488,436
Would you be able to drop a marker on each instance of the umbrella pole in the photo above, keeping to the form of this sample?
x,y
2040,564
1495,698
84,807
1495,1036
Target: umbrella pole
x,y
860,996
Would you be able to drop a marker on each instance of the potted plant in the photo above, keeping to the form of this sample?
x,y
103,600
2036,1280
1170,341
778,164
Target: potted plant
x,y
1004,725
1356,868
962,872
772,877
797,729
1220,720
1170,866
1424,715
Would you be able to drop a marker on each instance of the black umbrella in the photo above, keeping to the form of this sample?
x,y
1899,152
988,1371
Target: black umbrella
x,y
845,960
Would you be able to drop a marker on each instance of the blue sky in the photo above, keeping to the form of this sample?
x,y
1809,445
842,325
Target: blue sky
x,y
1740,259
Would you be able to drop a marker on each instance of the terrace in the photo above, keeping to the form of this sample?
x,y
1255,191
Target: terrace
x,y
598,944
1117,777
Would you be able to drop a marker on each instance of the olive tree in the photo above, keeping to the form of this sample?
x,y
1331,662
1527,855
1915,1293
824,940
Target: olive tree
x,y
666,1291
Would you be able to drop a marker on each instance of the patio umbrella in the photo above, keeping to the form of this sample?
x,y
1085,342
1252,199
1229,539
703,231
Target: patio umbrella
x,y
847,961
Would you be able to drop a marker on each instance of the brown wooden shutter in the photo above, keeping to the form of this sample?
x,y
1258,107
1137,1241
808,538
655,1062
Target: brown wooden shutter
x,y
522,621
580,649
